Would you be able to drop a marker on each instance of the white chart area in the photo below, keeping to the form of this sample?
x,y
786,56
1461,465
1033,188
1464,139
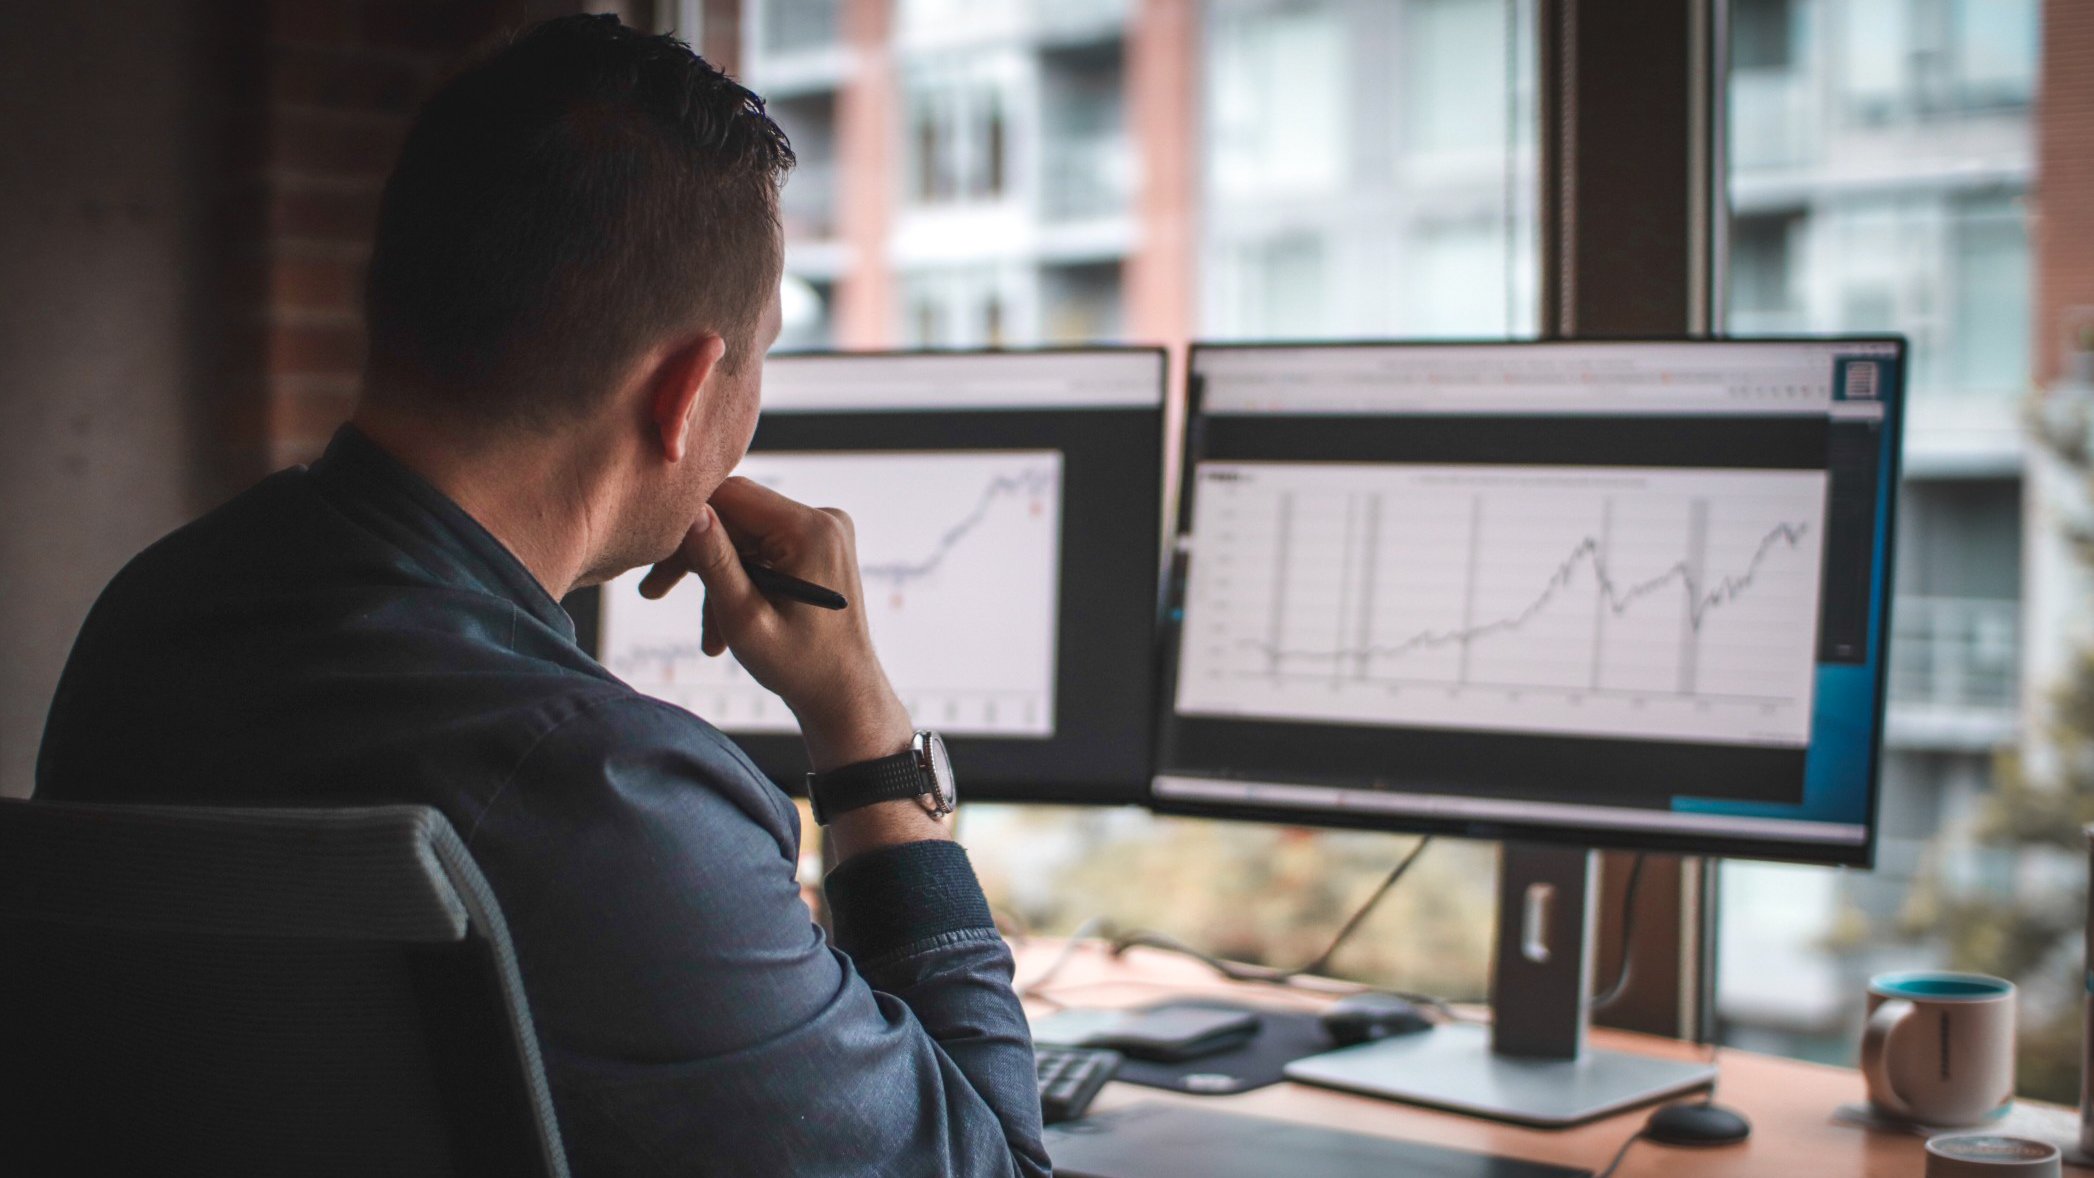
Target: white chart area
x,y
960,555
1669,604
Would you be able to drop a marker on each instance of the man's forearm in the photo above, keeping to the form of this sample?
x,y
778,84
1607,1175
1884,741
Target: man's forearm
x,y
874,726
914,920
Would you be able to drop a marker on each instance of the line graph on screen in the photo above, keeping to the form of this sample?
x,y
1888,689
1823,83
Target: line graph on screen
x,y
1596,601
959,557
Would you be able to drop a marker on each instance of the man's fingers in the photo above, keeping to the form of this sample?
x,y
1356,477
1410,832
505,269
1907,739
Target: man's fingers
x,y
844,520
752,511
709,551
709,638
662,577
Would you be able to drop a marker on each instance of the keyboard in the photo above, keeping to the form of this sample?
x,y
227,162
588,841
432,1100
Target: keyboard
x,y
1070,1077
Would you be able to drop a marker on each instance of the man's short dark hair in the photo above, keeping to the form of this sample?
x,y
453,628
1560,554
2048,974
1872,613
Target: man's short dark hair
x,y
558,206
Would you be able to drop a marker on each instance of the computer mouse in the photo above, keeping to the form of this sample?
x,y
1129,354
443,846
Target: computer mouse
x,y
1363,1018
1696,1123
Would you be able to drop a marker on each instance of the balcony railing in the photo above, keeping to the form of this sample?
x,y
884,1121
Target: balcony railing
x,y
1954,668
1088,176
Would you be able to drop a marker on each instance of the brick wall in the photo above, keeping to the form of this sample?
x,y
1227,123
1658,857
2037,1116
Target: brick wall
x,y
328,88
2062,238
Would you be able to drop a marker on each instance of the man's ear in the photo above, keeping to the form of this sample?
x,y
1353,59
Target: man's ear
x,y
676,387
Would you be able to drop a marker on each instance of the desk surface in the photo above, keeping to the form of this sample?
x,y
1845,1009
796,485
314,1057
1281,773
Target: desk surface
x,y
1790,1103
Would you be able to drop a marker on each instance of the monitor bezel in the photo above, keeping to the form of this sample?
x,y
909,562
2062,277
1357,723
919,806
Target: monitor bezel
x,y
1133,792
1187,445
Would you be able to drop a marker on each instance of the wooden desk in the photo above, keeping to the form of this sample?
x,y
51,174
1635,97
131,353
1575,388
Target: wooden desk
x,y
1789,1103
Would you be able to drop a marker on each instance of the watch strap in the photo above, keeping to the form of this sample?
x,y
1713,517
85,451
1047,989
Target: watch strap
x,y
887,779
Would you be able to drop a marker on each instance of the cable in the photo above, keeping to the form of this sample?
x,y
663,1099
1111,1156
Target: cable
x,y
1090,927
1239,971
1359,914
1620,1154
1243,972
1013,926
1622,973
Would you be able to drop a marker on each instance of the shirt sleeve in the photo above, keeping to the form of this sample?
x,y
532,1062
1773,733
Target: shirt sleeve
x,y
693,1017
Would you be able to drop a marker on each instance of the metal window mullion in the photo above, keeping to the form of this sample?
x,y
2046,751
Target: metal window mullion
x,y
1632,196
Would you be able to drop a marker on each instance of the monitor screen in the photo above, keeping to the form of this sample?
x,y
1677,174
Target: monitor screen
x,y
1009,521
1623,594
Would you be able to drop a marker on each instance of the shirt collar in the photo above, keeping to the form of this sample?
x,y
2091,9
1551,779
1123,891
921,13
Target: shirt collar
x,y
383,494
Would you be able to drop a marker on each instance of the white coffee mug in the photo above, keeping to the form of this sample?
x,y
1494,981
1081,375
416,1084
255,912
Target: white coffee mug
x,y
1939,1046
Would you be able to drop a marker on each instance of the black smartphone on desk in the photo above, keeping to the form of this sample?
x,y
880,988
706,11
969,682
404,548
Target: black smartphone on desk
x,y
1173,1034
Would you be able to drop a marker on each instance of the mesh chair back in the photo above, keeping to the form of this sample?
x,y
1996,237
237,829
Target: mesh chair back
x,y
259,991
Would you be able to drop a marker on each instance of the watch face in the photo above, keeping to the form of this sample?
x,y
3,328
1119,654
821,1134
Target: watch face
x,y
941,771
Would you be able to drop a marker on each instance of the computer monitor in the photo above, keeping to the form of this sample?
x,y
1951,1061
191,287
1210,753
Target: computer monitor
x,y
1009,522
1604,594
1618,594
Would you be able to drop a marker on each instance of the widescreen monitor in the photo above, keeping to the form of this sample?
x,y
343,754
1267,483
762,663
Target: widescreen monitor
x,y
1009,522
1620,594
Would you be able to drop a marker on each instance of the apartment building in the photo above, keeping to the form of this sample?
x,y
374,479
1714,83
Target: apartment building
x,y
1881,165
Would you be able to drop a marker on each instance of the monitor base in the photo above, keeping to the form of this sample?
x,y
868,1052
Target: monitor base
x,y
1453,1067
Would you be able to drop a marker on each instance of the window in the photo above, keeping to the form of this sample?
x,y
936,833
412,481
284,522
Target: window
x,y
1991,277
808,203
1081,303
1366,168
1086,153
1347,198
1281,285
1935,95
1277,111
804,315
800,24
1875,46
959,140
1763,268
1995,51
1455,272
1762,34
1357,167
1456,90
957,307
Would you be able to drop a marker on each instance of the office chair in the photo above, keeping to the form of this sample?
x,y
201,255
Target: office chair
x,y
259,991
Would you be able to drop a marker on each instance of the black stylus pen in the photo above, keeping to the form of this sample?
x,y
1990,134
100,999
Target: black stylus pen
x,y
778,584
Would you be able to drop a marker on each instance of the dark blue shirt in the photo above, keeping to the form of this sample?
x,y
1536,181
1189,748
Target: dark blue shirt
x,y
347,635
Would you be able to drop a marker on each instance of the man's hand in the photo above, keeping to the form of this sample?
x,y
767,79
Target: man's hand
x,y
820,662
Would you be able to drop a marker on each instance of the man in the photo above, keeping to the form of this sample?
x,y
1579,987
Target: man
x,y
573,283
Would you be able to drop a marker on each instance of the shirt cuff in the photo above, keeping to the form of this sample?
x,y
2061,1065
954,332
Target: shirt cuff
x,y
897,896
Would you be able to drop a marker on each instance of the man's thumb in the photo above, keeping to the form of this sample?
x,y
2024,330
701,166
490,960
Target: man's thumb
x,y
712,555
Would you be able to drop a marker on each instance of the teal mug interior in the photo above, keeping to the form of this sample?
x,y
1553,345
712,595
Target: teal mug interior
x,y
1938,986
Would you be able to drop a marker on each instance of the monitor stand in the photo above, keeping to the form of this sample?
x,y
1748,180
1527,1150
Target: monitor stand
x,y
1532,1065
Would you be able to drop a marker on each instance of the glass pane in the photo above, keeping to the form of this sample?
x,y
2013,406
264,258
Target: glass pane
x,y
1064,171
1276,89
1456,93
1996,50
800,24
1992,297
1880,171
1347,198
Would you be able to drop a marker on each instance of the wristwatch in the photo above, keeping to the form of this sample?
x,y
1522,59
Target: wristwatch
x,y
924,773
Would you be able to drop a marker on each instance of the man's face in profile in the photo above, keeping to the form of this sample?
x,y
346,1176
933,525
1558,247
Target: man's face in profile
x,y
746,396
720,431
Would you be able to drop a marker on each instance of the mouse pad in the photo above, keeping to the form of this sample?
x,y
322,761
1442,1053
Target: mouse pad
x,y
1157,1140
1283,1037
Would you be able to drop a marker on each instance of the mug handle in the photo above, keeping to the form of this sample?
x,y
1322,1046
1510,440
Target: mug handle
x,y
1875,1056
